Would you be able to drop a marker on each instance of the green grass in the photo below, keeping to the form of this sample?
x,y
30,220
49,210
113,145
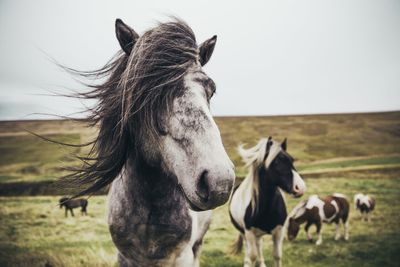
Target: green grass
x,y
34,231
387,160
26,158
31,149
373,244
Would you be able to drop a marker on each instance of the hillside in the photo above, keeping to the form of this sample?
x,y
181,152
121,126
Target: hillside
x,y
320,144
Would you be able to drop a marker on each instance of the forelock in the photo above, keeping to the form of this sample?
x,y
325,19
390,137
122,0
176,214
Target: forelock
x,y
155,71
274,151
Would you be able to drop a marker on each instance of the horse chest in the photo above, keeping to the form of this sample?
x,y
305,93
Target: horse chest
x,y
270,213
146,235
364,208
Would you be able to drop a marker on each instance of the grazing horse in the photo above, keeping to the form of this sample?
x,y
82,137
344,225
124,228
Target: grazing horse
x,y
158,145
71,204
314,210
257,206
365,204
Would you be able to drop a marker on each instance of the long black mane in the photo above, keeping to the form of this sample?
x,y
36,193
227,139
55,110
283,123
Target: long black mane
x,y
137,93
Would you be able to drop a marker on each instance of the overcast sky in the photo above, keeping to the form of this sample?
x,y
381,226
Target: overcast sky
x,y
296,57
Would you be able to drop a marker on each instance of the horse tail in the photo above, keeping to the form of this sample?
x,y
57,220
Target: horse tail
x,y
236,247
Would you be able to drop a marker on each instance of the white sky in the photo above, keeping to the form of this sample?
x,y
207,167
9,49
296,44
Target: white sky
x,y
271,57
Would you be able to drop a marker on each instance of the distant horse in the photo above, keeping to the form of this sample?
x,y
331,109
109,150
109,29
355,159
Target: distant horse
x,y
257,206
365,204
158,146
71,204
314,210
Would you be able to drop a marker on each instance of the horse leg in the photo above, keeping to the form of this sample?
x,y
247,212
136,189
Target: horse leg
x,y
319,233
197,259
251,249
307,228
337,234
186,258
72,212
196,251
260,252
84,209
346,229
277,239
66,212
345,221
368,217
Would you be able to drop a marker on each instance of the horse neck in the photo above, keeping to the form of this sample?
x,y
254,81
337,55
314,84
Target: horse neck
x,y
150,195
301,216
267,190
148,215
151,185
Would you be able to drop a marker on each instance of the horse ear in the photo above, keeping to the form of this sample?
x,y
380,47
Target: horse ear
x,y
284,144
267,147
206,49
126,36
269,143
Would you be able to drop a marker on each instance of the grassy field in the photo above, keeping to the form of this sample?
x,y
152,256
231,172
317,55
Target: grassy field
x,y
346,153
34,231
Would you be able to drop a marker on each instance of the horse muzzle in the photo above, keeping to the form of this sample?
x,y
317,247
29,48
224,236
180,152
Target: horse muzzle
x,y
211,190
299,186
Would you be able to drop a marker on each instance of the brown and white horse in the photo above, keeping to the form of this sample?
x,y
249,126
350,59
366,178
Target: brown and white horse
x,y
314,210
365,204
257,206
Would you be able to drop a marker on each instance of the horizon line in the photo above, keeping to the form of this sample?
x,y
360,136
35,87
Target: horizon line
x,y
229,116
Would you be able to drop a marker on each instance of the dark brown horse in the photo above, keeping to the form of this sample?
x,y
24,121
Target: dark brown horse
x,y
71,204
314,210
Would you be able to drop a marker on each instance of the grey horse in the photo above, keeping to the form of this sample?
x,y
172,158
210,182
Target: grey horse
x,y
158,145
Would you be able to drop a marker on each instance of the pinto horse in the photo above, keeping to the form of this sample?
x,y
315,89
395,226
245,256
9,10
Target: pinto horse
x,y
71,204
365,204
314,210
257,206
158,145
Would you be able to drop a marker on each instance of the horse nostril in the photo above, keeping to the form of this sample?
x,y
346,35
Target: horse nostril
x,y
203,190
296,188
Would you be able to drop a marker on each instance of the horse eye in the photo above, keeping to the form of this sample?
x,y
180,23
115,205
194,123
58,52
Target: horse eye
x,y
210,94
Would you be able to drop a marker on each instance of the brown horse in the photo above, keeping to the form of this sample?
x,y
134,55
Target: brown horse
x,y
71,204
314,210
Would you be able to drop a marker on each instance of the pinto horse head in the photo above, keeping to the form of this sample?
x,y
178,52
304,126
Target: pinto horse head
x,y
273,159
292,229
280,166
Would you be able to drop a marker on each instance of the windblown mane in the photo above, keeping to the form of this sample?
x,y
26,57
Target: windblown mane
x,y
264,151
138,90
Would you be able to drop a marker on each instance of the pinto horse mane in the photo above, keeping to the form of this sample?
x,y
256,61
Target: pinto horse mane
x,y
137,91
264,151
